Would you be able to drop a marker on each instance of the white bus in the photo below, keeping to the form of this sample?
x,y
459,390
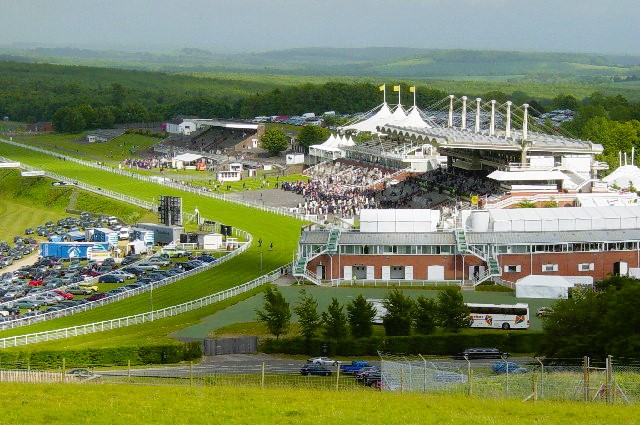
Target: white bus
x,y
500,316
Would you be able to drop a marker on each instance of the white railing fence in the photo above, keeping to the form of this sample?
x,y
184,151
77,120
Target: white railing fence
x,y
164,182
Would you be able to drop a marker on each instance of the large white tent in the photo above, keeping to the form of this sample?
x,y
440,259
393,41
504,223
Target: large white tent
x,y
624,176
537,286
371,124
413,120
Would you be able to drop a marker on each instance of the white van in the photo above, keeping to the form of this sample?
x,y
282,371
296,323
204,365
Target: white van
x,y
124,233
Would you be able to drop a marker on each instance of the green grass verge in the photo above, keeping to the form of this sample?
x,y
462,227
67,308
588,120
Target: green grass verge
x,y
282,231
131,404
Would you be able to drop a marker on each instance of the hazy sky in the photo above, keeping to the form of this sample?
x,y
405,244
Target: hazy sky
x,y
609,26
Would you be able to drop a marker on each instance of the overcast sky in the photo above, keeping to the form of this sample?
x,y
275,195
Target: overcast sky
x,y
607,26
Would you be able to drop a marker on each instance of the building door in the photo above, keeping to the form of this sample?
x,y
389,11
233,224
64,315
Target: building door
x,y
348,272
475,272
435,273
620,268
321,271
397,272
408,272
371,273
386,272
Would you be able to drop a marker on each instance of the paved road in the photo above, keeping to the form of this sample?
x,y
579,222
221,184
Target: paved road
x,y
252,364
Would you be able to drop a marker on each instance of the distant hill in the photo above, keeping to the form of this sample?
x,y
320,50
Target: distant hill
x,y
360,62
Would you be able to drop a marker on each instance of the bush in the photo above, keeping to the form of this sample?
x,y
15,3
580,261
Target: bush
x,y
117,356
444,344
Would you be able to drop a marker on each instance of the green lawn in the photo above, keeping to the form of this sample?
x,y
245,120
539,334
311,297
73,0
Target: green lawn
x,y
131,404
282,231
244,312
75,145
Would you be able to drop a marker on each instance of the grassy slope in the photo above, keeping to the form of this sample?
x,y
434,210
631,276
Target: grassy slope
x,y
283,231
114,404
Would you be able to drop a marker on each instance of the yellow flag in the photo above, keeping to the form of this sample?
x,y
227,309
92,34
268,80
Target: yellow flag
x,y
382,87
396,88
412,89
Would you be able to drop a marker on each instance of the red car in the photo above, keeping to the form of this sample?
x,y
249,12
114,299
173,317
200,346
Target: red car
x,y
64,295
97,297
91,273
36,282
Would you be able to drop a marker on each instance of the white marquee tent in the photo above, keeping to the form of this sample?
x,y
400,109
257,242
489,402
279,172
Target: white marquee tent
x,y
537,286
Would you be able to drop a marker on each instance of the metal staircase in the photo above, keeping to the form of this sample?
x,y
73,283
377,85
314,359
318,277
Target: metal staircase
x,y
300,269
493,270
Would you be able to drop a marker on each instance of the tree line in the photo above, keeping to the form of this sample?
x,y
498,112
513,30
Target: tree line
x,y
77,98
404,315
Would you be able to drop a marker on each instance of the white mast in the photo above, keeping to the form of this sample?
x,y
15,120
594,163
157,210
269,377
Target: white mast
x,y
464,112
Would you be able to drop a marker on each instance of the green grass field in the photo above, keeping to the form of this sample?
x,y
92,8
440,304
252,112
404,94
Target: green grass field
x,y
244,312
131,404
282,231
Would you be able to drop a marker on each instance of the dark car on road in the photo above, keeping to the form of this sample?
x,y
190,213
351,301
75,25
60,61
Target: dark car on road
x,y
481,353
314,369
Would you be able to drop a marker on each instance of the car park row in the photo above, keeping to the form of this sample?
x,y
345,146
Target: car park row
x,y
49,284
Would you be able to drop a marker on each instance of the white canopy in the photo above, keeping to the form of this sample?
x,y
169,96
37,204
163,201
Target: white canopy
x,y
518,176
624,176
187,157
397,117
538,286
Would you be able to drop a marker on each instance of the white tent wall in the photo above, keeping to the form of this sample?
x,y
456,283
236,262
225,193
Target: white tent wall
x,y
537,286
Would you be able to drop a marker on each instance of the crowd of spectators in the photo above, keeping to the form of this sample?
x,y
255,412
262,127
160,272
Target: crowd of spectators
x,y
146,164
324,198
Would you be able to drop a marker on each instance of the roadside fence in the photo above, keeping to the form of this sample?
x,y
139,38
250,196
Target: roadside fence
x,y
527,379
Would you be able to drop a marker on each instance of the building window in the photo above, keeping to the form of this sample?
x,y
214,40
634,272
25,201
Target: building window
x,y
585,267
549,268
512,269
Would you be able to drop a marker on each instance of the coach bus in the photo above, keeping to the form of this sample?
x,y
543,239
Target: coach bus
x,y
499,316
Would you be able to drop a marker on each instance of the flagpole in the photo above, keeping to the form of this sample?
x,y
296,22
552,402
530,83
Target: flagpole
x,y
384,93
399,95
414,96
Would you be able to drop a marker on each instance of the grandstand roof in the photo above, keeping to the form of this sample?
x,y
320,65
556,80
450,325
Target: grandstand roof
x,y
468,139
528,175
319,237
414,119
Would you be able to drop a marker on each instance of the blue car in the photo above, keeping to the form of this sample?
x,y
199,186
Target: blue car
x,y
502,367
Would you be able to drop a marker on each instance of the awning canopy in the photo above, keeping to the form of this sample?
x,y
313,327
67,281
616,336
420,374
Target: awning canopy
x,y
187,157
530,175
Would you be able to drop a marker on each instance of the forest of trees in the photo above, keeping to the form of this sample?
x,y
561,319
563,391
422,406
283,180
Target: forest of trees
x,y
77,98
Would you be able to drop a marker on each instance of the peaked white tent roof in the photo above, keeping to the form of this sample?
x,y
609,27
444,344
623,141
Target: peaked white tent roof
x,y
621,176
413,120
397,117
372,123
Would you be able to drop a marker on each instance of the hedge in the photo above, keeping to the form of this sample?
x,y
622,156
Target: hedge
x,y
117,356
436,344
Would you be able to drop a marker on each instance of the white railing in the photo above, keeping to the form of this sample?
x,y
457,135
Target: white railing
x,y
511,200
394,282
164,182
149,316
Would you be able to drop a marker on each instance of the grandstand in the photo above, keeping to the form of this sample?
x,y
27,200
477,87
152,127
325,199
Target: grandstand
x,y
103,135
219,137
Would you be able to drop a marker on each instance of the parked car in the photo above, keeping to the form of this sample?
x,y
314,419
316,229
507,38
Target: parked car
x,y
353,367
503,367
79,290
481,353
147,266
110,278
159,261
65,295
314,369
97,297
544,312
323,361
